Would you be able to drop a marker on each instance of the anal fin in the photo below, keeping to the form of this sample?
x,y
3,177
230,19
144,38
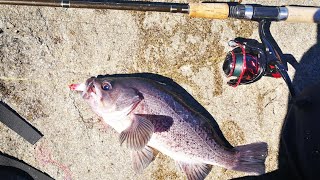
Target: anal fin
x,y
142,158
195,171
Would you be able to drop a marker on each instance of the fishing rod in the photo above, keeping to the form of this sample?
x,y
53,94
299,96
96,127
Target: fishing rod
x,y
212,10
247,61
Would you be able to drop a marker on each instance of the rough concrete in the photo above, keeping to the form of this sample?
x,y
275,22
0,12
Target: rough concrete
x,y
43,50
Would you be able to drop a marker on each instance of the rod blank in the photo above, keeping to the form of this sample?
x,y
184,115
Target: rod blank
x,y
199,10
102,4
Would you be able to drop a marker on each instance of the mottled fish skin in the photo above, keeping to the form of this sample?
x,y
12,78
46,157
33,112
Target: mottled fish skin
x,y
191,136
149,113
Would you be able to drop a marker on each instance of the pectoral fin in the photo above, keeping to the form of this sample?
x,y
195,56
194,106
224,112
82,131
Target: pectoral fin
x,y
142,158
195,171
138,133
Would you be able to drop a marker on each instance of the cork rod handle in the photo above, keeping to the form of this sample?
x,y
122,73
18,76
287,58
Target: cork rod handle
x,y
209,10
303,14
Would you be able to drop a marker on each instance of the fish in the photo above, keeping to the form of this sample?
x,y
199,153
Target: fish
x,y
151,117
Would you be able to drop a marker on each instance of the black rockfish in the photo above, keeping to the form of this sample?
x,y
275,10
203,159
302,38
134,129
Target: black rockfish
x,y
149,116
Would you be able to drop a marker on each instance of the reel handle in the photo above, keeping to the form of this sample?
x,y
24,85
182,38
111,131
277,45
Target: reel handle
x,y
281,69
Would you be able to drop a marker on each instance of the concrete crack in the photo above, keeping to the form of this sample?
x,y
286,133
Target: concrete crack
x,y
88,123
270,102
77,108
39,12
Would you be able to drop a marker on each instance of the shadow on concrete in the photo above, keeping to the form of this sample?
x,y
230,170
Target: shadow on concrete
x,y
12,168
299,153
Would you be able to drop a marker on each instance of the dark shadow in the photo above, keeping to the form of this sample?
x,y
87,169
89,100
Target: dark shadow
x,y
12,173
308,71
300,136
299,152
179,91
12,168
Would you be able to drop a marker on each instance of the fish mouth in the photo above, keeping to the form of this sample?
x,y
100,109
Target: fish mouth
x,y
86,87
90,89
86,90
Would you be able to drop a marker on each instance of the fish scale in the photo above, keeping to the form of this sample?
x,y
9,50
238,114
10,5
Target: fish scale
x,y
186,126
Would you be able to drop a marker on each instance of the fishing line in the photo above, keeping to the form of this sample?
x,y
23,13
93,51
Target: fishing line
x,y
44,157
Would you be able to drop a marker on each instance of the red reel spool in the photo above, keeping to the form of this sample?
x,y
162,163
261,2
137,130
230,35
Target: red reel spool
x,y
241,64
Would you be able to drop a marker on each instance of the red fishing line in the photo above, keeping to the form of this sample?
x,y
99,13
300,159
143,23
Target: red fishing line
x,y
44,157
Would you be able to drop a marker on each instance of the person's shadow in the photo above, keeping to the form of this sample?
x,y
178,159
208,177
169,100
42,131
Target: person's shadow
x,y
299,152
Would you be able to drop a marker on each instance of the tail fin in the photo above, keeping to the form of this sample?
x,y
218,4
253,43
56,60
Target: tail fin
x,y
251,157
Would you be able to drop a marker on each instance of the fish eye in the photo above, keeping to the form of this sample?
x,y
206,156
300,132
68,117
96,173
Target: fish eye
x,y
106,86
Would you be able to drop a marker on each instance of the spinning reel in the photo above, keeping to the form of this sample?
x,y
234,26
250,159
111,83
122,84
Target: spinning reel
x,y
249,60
